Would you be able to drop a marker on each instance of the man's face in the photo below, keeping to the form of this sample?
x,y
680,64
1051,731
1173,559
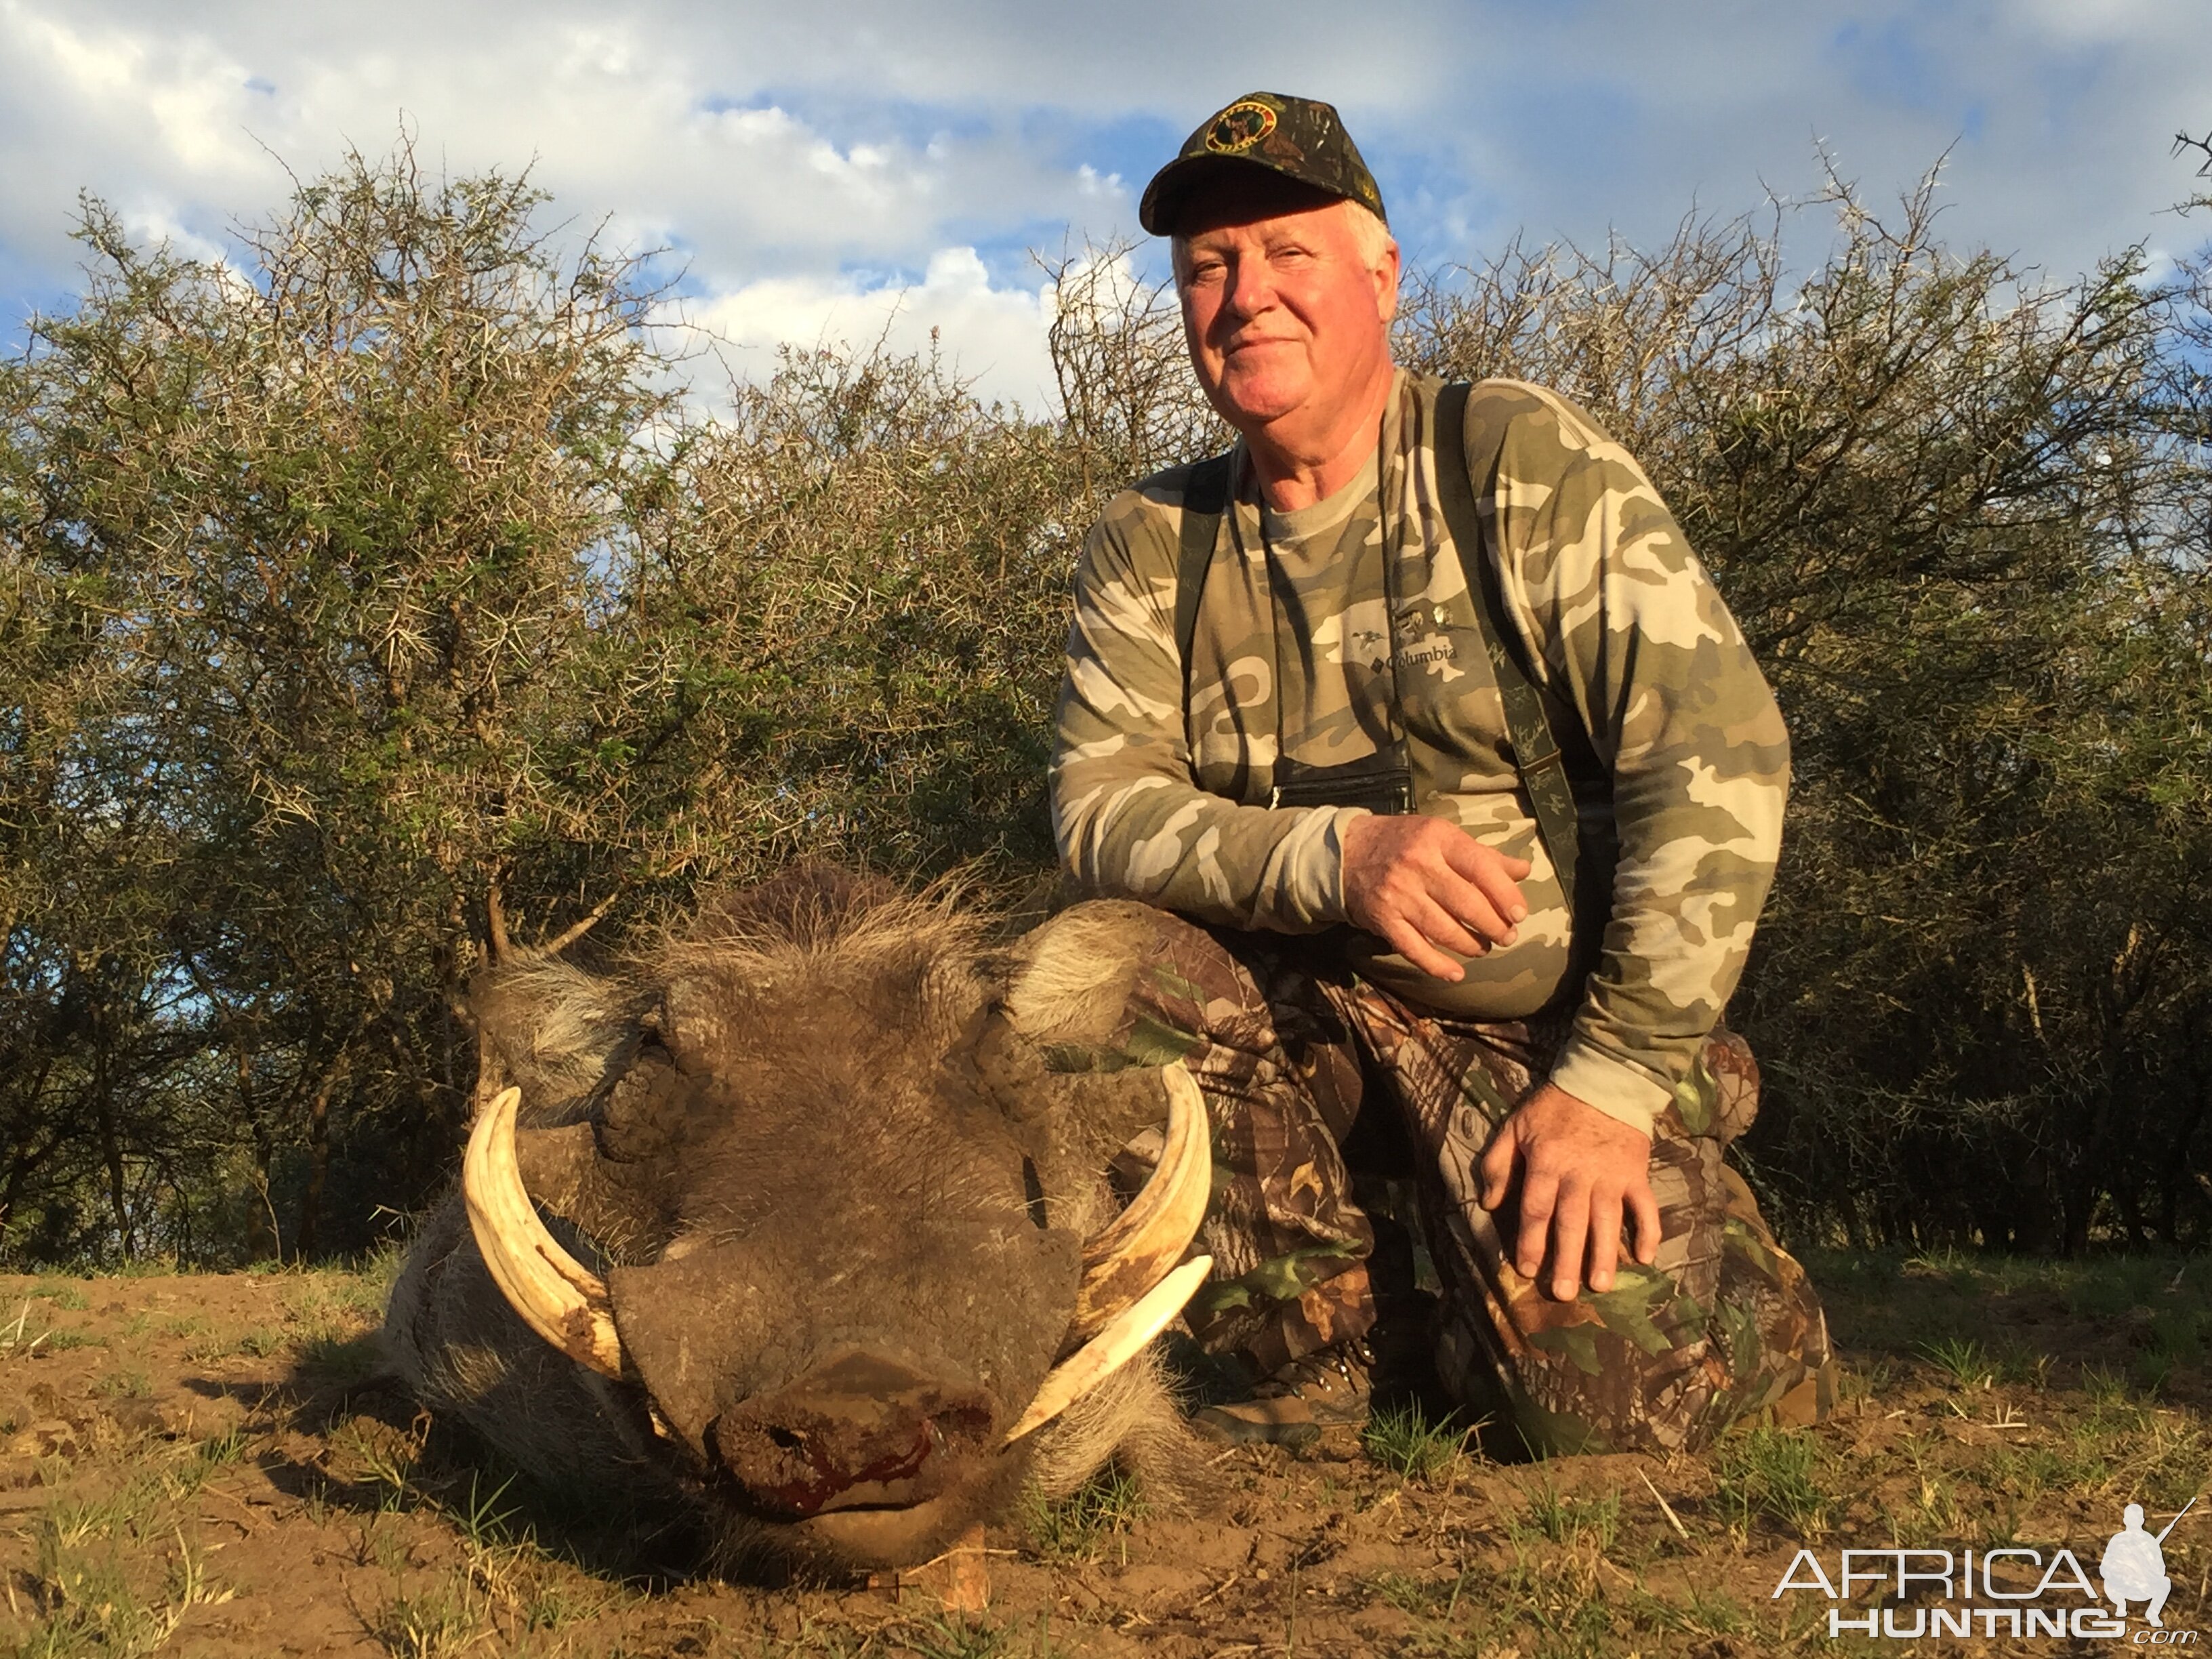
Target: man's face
x,y
1283,313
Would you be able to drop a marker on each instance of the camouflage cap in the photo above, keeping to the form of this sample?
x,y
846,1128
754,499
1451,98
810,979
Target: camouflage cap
x,y
1299,137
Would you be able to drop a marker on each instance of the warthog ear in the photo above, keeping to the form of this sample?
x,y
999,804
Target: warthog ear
x,y
552,1031
647,1110
1091,1103
1100,1113
1085,1116
1068,986
1070,978
584,1054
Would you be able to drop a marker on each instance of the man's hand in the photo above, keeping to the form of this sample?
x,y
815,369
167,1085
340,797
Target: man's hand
x,y
1578,1171
1429,887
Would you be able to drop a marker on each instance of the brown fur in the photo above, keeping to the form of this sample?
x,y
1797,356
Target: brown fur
x,y
800,1122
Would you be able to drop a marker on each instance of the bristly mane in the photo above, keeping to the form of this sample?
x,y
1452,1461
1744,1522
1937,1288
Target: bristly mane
x,y
818,909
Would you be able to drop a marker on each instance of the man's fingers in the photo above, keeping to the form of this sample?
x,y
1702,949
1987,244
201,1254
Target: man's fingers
x,y
1411,944
1645,1209
1579,1170
1472,858
1604,1240
1570,1221
1496,1168
1504,896
1476,912
1406,876
1538,1191
1493,874
1442,929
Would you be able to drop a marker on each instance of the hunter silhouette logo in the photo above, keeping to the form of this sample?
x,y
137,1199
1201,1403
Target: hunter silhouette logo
x,y
2134,1566
1239,127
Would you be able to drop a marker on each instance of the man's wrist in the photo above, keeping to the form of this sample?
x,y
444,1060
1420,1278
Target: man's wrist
x,y
1339,835
1624,1093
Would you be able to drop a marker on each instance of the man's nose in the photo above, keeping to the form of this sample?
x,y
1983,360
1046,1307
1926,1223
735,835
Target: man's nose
x,y
1251,289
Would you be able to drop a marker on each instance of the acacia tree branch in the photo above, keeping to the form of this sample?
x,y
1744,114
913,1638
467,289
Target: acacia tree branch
x,y
576,929
496,916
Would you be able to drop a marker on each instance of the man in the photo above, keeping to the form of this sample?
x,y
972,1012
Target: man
x,y
2133,1568
1288,723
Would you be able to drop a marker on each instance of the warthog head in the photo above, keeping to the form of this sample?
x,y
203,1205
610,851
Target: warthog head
x,y
800,1225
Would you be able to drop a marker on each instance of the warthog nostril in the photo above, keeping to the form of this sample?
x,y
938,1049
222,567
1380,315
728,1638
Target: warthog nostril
x,y
863,1431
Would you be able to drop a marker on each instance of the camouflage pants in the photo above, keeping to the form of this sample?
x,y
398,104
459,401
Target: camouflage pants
x,y
1286,1044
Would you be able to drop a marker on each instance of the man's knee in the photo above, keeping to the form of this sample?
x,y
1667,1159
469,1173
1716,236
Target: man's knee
x,y
1643,1367
1187,988
1721,1096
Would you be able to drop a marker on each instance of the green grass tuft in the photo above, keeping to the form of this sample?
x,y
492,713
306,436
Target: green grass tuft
x,y
1569,1520
438,1623
1773,1473
1403,1441
345,1361
1962,1359
125,1383
1075,1527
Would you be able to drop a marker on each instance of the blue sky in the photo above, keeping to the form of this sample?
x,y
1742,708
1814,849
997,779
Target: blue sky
x,y
839,170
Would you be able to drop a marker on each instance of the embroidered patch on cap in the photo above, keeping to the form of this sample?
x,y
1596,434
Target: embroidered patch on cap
x,y
1239,127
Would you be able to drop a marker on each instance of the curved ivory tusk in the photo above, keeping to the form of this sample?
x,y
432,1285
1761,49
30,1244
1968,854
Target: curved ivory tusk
x,y
1129,1256
557,1297
1120,1341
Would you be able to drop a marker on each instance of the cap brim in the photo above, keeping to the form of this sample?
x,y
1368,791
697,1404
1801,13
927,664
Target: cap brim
x,y
1162,203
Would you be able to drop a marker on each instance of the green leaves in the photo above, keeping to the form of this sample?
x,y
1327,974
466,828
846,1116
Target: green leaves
x,y
1959,511
392,587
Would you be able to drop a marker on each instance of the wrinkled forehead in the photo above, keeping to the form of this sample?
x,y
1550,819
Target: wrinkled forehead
x,y
843,1092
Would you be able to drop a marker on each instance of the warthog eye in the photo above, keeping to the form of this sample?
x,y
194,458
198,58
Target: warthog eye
x,y
1033,1190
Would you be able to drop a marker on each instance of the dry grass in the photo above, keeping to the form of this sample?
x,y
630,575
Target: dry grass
x,y
1992,1401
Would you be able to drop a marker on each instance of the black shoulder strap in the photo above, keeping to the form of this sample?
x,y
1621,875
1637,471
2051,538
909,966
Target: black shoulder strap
x,y
1204,498
1535,749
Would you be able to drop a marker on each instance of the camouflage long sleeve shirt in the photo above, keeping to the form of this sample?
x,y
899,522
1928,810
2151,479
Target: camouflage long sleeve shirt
x,y
1306,650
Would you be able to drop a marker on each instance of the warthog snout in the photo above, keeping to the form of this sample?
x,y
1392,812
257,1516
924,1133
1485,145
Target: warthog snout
x,y
860,1431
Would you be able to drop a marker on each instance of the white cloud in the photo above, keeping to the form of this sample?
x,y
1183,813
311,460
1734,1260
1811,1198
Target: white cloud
x,y
993,337
2057,115
783,148
182,97
622,115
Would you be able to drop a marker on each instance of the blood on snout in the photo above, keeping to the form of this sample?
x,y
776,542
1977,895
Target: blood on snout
x,y
861,1430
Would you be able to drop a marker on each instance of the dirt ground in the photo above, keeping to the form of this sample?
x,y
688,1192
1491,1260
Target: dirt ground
x,y
210,1465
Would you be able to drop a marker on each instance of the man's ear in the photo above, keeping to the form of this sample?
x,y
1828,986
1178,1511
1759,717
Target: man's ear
x,y
1386,283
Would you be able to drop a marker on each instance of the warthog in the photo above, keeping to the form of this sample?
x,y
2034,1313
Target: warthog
x,y
828,1258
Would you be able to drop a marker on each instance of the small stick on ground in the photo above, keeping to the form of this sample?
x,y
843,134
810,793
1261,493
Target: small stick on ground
x,y
960,1579
1665,1508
